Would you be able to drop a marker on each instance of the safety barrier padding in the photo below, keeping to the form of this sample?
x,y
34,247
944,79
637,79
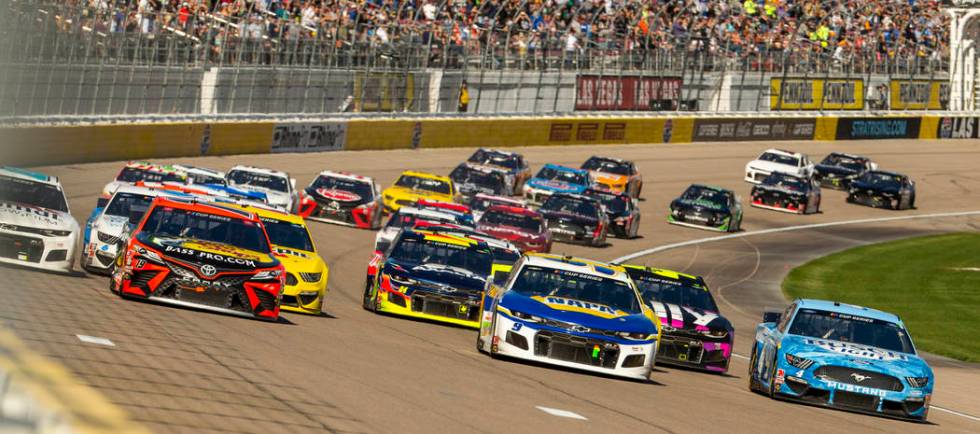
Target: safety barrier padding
x,y
82,144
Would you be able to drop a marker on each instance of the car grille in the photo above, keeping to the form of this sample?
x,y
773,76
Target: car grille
x,y
332,210
104,258
459,308
855,400
289,300
760,176
871,379
291,279
403,202
266,300
226,292
311,277
681,349
108,239
21,248
575,349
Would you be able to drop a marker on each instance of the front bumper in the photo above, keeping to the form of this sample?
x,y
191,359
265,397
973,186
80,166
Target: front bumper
x,y
356,216
695,353
461,311
872,200
302,296
512,337
37,251
754,176
98,257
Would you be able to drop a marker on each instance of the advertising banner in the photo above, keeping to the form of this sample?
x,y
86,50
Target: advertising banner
x,y
959,128
877,128
731,130
816,94
313,137
919,95
595,92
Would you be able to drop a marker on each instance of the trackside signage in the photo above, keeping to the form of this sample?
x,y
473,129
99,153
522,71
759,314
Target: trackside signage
x,y
595,92
312,137
919,95
877,128
726,130
959,128
813,94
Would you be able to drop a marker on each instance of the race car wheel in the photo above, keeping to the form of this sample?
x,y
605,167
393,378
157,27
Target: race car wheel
x,y
634,228
753,382
771,390
912,206
368,302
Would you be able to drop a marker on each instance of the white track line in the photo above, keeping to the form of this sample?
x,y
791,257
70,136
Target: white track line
x,y
561,413
95,340
973,418
788,229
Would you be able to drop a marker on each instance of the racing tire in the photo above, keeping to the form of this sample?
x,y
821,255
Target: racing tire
x,y
639,189
368,302
753,383
634,229
912,206
771,386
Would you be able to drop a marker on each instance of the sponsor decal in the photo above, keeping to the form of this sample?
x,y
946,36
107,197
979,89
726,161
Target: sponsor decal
x,y
562,303
856,389
291,252
209,256
816,94
594,92
587,131
855,350
959,128
919,94
339,195
312,137
877,128
724,130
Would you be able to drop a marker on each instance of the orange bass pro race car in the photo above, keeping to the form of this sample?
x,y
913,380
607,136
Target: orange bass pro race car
x,y
201,255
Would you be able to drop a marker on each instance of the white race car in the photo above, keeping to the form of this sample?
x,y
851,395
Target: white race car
x,y
202,175
279,188
482,202
778,160
571,312
407,217
141,171
36,226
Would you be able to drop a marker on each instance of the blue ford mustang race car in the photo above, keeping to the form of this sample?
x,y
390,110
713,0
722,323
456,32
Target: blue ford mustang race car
x,y
841,356
553,178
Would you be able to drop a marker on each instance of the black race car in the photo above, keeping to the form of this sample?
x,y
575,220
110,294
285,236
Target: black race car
x,y
707,207
881,189
471,180
574,218
837,170
787,193
622,210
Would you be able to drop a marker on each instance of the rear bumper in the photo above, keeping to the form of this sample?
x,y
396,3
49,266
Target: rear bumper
x,y
790,209
466,312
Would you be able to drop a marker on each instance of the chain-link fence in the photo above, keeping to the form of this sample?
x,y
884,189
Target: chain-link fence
x,y
80,58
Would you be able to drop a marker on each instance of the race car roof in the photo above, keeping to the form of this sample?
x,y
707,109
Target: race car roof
x,y
498,151
428,212
782,152
711,187
613,159
345,175
426,175
261,170
443,228
446,238
144,190
28,175
849,309
516,202
201,170
520,210
579,265
852,156
481,168
265,212
192,204
561,168
663,273
153,167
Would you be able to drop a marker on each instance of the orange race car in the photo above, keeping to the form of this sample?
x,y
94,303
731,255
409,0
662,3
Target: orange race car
x,y
615,174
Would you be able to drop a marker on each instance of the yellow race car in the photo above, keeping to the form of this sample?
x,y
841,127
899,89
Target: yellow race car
x,y
412,186
306,272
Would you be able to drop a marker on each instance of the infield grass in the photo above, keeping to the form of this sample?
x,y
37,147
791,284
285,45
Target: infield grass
x,y
932,283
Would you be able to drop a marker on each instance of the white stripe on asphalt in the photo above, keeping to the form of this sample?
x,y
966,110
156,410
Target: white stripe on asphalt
x,y
95,340
561,413
973,418
739,356
788,229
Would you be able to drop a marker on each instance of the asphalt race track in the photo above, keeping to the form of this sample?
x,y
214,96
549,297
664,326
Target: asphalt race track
x,y
181,370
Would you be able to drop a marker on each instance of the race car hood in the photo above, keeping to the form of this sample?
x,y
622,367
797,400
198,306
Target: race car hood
x,y
688,318
568,217
555,186
298,260
591,315
36,217
111,224
859,185
451,278
222,256
610,179
335,194
771,166
697,205
824,351
840,172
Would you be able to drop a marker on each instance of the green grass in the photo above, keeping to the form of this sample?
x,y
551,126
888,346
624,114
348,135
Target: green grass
x,y
914,278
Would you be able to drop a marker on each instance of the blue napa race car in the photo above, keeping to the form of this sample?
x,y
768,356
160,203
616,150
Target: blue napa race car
x,y
553,178
842,356
573,313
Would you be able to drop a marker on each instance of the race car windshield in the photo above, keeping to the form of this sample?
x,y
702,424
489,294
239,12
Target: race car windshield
x,y
843,161
286,234
882,180
537,281
504,256
488,158
784,181
614,204
200,178
855,329
571,205
401,220
465,175
362,189
196,225
32,193
419,252
682,292
607,166
521,221
427,184
563,176
260,180
128,204
134,175
780,159
706,196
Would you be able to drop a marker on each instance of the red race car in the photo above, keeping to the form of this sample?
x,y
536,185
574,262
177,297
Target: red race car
x,y
201,255
342,198
523,227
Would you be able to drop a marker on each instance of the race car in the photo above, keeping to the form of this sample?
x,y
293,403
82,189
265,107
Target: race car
x,y
470,179
412,186
837,170
881,189
36,226
202,175
278,187
623,211
343,198
137,171
694,334
505,253
434,276
837,355
202,255
778,160
570,312
481,202
615,174
707,207
787,193
306,272
462,212
552,179
107,228
513,164
574,218
523,227
406,218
